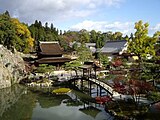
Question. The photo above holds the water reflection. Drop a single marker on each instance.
(63, 112)
(16, 103)
(19, 103)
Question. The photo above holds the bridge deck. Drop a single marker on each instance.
(98, 82)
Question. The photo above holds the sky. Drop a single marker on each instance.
(100, 15)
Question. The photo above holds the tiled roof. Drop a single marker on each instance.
(50, 48)
(113, 46)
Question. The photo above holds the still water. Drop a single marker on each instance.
(21, 103)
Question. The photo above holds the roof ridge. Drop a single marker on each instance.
(41, 42)
(116, 40)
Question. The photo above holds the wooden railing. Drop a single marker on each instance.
(98, 82)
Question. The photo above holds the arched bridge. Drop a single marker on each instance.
(105, 86)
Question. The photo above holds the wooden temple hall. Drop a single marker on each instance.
(51, 53)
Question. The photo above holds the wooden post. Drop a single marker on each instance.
(83, 72)
(90, 88)
(82, 84)
(100, 91)
(97, 91)
(74, 83)
(95, 71)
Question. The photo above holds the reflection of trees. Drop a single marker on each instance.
(16, 103)
(71, 102)
(90, 110)
(9, 96)
(47, 101)
(83, 97)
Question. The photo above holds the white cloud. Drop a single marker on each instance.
(69, 10)
(47, 10)
(125, 28)
(113, 2)
(92, 5)
(154, 29)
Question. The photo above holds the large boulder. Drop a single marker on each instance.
(12, 67)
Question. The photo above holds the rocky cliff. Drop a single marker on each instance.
(12, 67)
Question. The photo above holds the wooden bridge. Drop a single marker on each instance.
(91, 81)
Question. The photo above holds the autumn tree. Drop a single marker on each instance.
(131, 87)
(136, 88)
(14, 34)
(141, 44)
(24, 41)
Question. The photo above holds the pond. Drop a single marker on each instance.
(21, 103)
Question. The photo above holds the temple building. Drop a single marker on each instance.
(51, 53)
(114, 48)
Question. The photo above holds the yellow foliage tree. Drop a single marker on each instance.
(24, 41)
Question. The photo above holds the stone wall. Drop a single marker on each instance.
(12, 67)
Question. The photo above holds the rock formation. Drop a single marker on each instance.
(12, 67)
